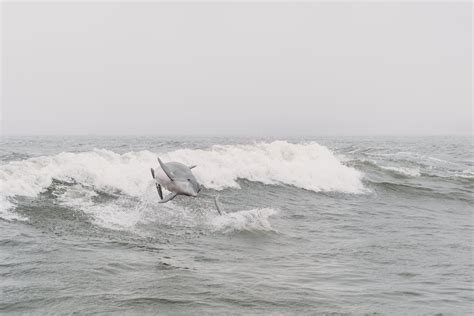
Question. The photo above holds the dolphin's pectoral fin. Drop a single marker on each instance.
(193, 166)
(158, 186)
(166, 169)
(169, 197)
(160, 193)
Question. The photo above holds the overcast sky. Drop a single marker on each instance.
(343, 68)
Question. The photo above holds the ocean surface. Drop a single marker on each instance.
(323, 225)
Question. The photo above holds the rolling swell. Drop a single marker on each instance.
(409, 177)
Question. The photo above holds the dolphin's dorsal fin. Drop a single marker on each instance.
(193, 166)
(166, 169)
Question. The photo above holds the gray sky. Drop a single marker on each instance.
(342, 68)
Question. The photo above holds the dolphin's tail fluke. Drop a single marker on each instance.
(158, 186)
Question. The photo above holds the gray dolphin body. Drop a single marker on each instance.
(176, 178)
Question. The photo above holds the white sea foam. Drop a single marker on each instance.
(5, 212)
(126, 213)
(248, 220)
(309, 166)
(121, 213)
(101, 168)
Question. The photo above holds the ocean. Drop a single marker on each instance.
(315, 225)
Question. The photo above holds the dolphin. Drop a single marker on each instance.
(179, 180)
(176, 178)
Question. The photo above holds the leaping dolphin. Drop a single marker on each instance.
(178, 179)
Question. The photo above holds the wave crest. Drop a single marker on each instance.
(404, 171)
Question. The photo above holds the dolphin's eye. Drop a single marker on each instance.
(189, 179)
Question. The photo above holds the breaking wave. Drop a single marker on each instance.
(309, 166)
(111, 188)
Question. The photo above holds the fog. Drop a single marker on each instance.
(256, 69)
